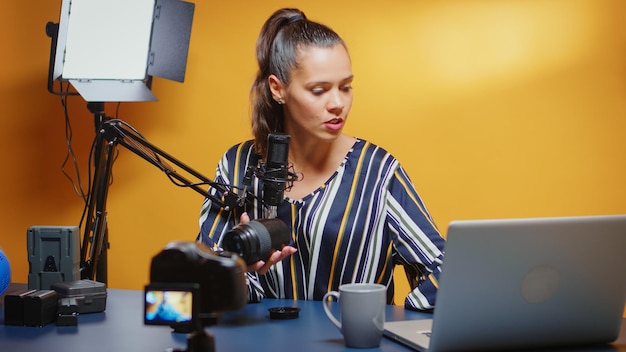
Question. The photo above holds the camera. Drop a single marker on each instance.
(255, 240)
(219, 277)
(215, 280)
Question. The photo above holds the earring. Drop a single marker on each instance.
(280, 101)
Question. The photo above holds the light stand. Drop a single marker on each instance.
(93, 255)
(109, 50)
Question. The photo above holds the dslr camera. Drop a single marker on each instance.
(215, 280)
(191, 284)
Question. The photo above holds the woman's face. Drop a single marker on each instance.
(319, 96)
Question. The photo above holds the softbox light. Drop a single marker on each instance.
(108, 49)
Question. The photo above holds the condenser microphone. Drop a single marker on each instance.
(275, 175)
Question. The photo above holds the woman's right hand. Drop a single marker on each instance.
(263, 267)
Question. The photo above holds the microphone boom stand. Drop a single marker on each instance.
(109, 134)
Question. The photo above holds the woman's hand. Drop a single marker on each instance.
(262, 266)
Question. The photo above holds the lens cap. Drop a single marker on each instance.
(282, 313)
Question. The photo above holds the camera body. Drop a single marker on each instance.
(219, 277)
(211, 281)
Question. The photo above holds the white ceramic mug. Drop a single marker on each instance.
(362, 310)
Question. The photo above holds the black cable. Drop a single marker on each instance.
(89, 177)
(77, 185)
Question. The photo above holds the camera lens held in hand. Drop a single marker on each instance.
(255, 240)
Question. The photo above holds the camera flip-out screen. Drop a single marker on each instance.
(171, 304)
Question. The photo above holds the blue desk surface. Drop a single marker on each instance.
(121, 328)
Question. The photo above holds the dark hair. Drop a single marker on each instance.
(284, 33)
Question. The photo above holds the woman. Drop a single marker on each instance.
(354, 214)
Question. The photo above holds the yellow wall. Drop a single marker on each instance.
(503, 108)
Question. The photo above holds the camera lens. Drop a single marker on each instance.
(255, 240)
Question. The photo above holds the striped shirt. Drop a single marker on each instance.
(356, 227)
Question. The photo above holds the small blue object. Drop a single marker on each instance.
(5, 272)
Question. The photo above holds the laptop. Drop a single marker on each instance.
(525, 283)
